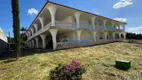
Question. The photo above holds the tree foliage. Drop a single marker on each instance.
(134, 36)
(16, 27)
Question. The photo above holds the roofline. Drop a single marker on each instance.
(73, 9)
(86, 12)
(39, 13)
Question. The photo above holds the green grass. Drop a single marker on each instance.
(98, 60)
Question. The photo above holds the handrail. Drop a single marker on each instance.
(67, 25)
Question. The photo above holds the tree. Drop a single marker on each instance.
(134, 36)
(23, 30)
(16, 27)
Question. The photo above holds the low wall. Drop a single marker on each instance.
(3, 46)
(72, 44)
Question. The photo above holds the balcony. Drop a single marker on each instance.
(86, 26)
(99, 28)
(65, 25)
(45, 28)
(83, 26)
(73, 26)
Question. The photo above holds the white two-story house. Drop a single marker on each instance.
(57, 23)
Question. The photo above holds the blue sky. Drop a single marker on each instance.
(124, 10)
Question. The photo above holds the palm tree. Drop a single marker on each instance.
(16, 27)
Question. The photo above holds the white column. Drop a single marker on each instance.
(35, 26)
(32, 44)
(93, 21)
(123, 27)
(36, 42)
(105, 34)
(120, 35)
(113, 36)
(94, 36)
(77, 17)
(78, 33)
(52, 10)
(32, 31)
(54, 34)
(41, 19)
(124, 34)
(113, 26)
(104, 21)
(29, 33)
(43, 36)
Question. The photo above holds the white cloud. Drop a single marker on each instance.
(135, 29)
(122, 3)
(32, 11)
(121, 19)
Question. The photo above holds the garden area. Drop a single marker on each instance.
(96, 63)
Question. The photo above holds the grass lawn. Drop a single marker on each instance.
(98, 60)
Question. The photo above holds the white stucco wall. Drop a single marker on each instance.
(70, 36)
(69, 19)
(100, 36)
(2, 36)
(86, 36)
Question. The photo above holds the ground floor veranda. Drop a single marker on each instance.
(64, 38)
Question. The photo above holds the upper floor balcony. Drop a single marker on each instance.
(73, 26)
(65, 25)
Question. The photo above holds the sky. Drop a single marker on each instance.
(129, 11)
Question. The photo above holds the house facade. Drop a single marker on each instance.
(3, 42)
(58, 26)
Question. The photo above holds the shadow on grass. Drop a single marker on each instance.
(9, 61)
(28, 52)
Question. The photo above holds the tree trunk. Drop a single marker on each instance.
(16, 27)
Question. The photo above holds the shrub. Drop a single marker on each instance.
(132, 41)
(72, 71)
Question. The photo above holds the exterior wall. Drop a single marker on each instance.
(86, 36)
(46, 21)
(85, 23)
(3, 42)
(84, 20)
(3, 46)
(69, 20)
(100, 36)
(69, 36)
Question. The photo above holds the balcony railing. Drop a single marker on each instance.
(86, 26)
(66, 25)
(99, 28)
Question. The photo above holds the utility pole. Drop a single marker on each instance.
(9, 41)
(9, 38)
